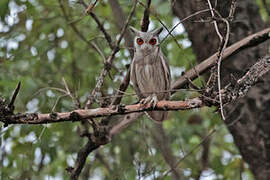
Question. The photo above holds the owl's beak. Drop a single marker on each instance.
(146, 50)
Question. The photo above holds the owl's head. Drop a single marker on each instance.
(146, 42)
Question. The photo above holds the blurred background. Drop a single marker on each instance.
(39, 47)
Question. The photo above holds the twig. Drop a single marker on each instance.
(220, 55)
(124, 84)
(223, 47)
(250, 78)
(183, 20)
(109, 61)
(77, 32)
(161, 22)
(145, 20)
(102, 29)
(57, 101)
(122, 88)
(75, 100)
(13, 98)
(120, 19)
(215, 22)
(99, 24)
(190, 152)
(90, 7)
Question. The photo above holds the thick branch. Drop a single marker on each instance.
(82, 155)
(248, 80)
(249, 41)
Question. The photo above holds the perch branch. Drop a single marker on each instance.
(80, 114)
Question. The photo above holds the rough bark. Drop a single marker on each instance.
(251, 115)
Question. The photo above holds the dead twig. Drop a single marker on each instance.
(13, 98)
(215, 22)
(220, 55)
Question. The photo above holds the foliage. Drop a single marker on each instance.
(39, 48)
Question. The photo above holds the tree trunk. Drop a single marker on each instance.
(248, 119)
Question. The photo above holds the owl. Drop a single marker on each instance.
(150, 72)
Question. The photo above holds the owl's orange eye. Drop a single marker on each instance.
(139, 41)
(153, 41)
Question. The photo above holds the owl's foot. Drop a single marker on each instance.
(151, 100)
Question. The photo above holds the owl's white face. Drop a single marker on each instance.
(146, 43)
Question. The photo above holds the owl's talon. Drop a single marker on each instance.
(154, 101)
(146, 100)
(151, 100)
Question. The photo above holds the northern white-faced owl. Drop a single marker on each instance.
(150, 72)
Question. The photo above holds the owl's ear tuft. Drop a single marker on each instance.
(156, 32)
(134, 30)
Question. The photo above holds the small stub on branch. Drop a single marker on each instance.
(196, 102)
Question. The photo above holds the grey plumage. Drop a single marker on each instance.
(150, 71)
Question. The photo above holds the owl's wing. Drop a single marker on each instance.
(166, 69)
(133, 78)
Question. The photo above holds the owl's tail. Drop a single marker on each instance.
(157, 116)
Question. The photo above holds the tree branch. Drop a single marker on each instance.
(250, 41)
(82, 155)
(145, 19)
(80, 114)
(229, 94)
(88, 10)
